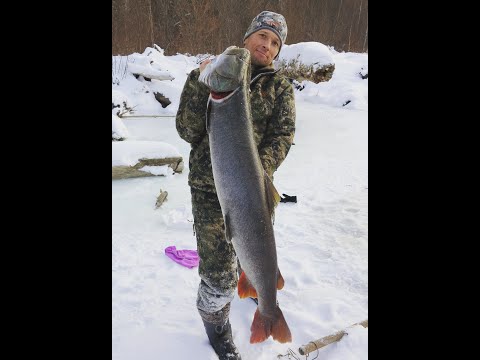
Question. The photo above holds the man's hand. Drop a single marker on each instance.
(204, 63)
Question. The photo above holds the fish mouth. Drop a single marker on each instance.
(235, 64)
(227, 71)
(242, 53)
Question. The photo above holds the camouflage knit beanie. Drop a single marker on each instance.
(271, 21)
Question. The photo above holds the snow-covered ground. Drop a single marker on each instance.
(322, 240)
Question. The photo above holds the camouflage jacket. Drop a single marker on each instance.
(273, 114)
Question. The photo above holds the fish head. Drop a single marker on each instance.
(227, 71)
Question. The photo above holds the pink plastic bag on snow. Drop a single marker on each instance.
(187, 258)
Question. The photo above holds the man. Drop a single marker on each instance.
(273, 115)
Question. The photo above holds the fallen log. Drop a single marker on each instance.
(149, 72)
(144, 158)
(125, 171)
(317, 344)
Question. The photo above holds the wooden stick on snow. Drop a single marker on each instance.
(317, 344)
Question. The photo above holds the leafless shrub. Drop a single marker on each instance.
(295, 69)
(119, 69)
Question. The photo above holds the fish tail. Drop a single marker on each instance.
(280, 330)
(262, 327)
(245, 287)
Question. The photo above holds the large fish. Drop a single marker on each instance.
(246, 194)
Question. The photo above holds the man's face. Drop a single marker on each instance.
(263, 45)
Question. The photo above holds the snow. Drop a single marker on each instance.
(322, 240)
(128, 153)
(308, 53)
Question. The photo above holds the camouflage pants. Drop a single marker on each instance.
(218, 261)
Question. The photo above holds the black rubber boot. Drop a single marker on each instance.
(221, 340)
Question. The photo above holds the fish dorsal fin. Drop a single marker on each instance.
(272, 195)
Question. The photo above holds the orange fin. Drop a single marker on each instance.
(262, 327)
(280, 330)
(280, 280)
(245, 287)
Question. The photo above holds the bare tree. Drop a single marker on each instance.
(209, 26)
